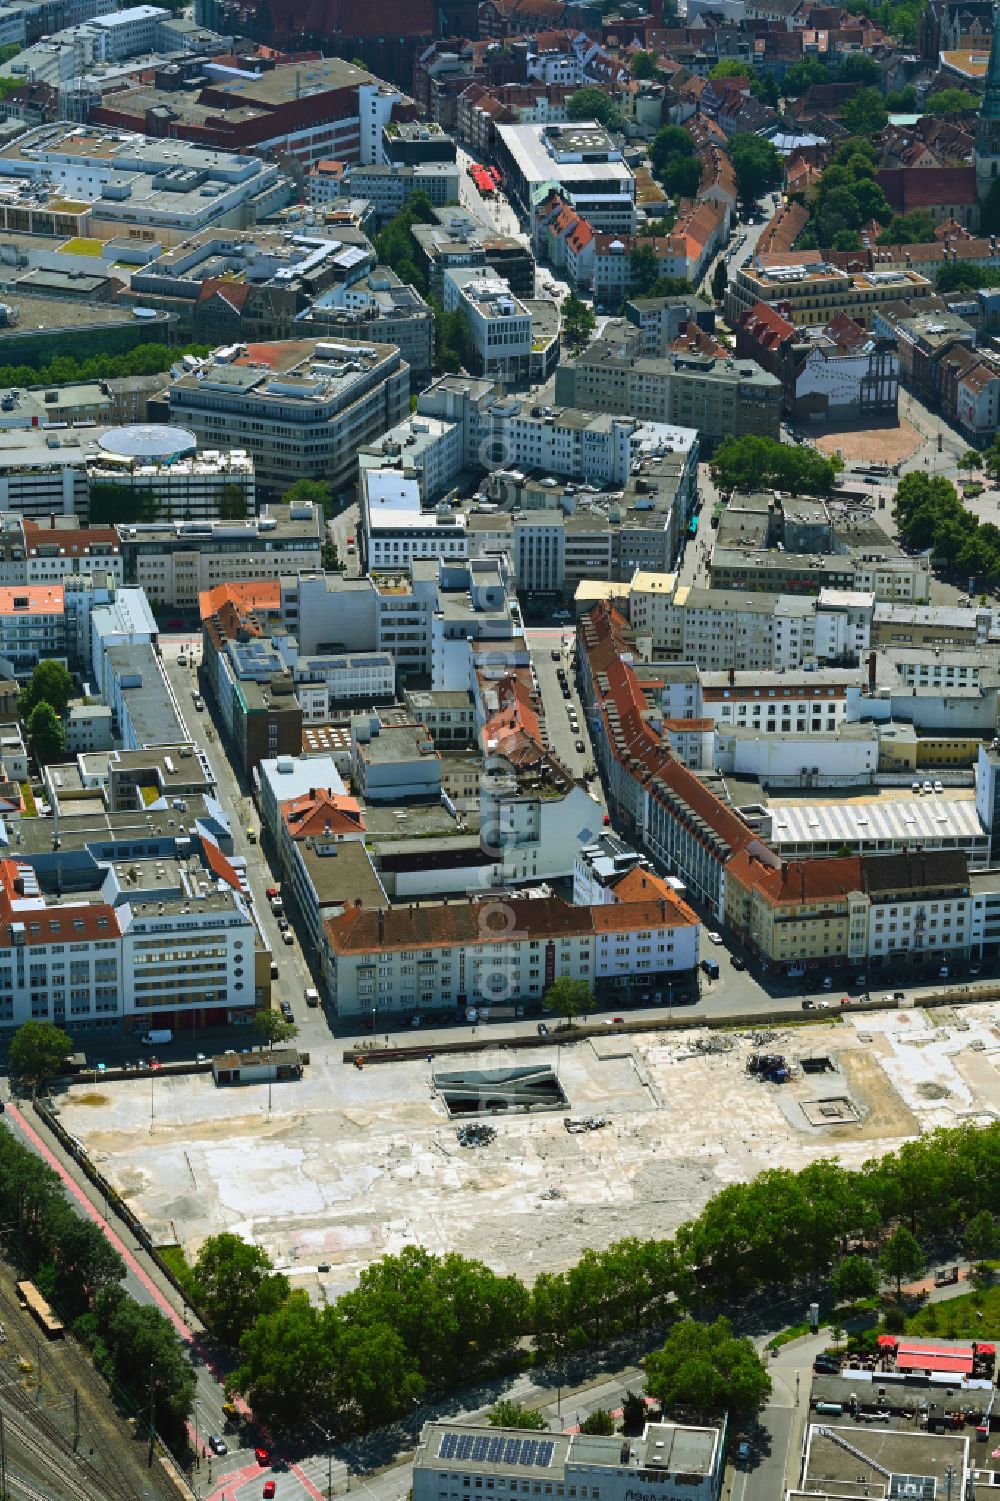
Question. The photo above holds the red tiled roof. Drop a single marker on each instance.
(322, 812)
(65, 922)
(908, 188)
(793, 882)
(71, 541)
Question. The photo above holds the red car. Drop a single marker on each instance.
(268, 1489)
(272, 891)
(262, 1456)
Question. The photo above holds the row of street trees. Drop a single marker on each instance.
(73, 1266)
(366, 1358)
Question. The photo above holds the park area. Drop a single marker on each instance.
(332, 1172)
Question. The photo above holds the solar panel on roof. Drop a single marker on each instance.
(464, 1446)
(447, 1449)
(512, 1450)
(545, 1451)
(496, 1450)
(479, 1447)
(529, 1447)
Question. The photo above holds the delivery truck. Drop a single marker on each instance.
(157, 1037)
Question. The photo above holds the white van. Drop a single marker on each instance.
(312, 996)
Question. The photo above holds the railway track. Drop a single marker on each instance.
(39, 1436)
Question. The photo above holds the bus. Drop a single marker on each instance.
(30, 1298)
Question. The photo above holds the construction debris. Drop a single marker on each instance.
(476, 1135)
(589, 1123)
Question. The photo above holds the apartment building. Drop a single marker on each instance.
(491, 952)
(34, 552)
(175, 562)
(165, 943)
(32, 625)
(717, 396)
(798, 914)
(301, 407)
(388, 188)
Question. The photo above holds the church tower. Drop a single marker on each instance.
(987, 154)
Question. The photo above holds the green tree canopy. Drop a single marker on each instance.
(900, 1257)
(951, 102)
(507, 1414)
(669, 141)
(901, 101)
(234, 1284)
(959, 276)
(599, 1422)
(802, 75)
(38, 1051)
(46, 733)
(643, 65)
(752, 463)
(569, 998)
(50, 683)
(865, 114)
(756, 163)
(578, 322)
(592, 103)
(704, 1369)
(854, 1278)
(982, 1239)
(634, 1413)
(859, 67)
(130, 1342)
(914, 228)
(271, 1027)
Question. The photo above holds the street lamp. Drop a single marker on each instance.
(329, 1457)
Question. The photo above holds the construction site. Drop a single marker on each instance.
(607, 1136)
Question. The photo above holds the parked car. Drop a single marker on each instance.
(286, 1011)
(217, 1445)
(542, 1030)
(287, 937)
(269, 1490)
(712, 936)
(579, 747)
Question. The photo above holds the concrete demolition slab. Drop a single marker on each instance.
(354, 1163)
(836, 1111)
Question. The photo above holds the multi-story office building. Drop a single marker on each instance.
(171, 188)
(578, 159)
(499, 326)
(812, 292)
(175, 562)
(717, 396)
(150, 464)
(668, 1459)
(302, 409)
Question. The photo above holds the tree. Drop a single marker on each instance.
(330, 558)
(128, 1343)
(316, 491)
(859, 67)
(643, 65)
(982, 1240)
(634, 1413)
(600, 1422)
(680, 176)
(720, 280)
(578, 322)
(643, 269)
(865, 114)
(271, 1027)
(751, 463)
(705, 1369)
(569, 998)
(900, 1257)
(287, 1365)
(669, 141)
(802, 75)
(854, 1278)
(914, 228)
(38, 1051)
(50, 683)
(951, 102)
(756, 163)
(234, 1284)
(592, 103)
(506, 1414)
(46, 733)
(232, 503)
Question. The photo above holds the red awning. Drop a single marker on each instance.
(934, 1360)
(887, 1341)
(986, 1349)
